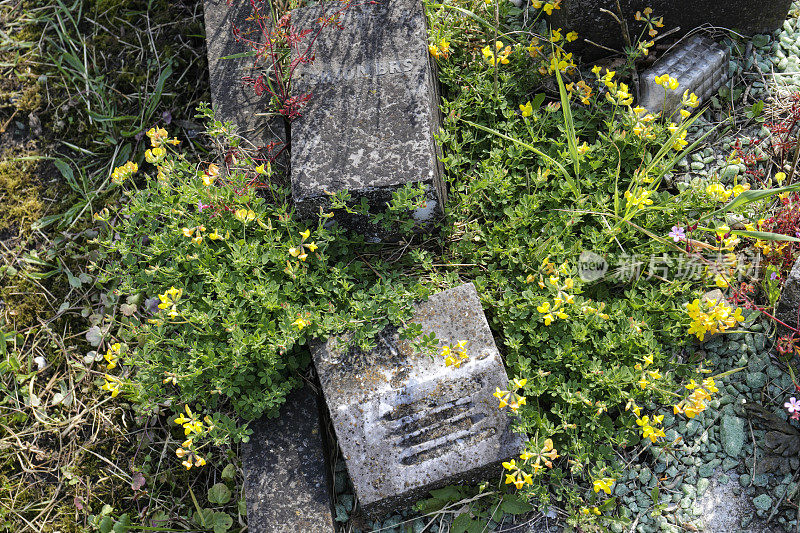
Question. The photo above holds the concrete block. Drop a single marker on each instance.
(406, 424)
(700, 66)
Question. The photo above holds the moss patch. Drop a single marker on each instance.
(20, 193)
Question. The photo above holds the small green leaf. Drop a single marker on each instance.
(513, 504)
(219, 494)
(106, 524)
(221, 522)
(449, 494)
(463, 523)
(123, 524)
(229, 472)
(203, 518)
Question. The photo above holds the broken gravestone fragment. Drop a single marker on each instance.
(369, 123)
(405, 422)
(233, 100)
(699, 64)
(285, 474)
(593, 21)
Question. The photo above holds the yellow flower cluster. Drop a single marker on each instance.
(617, 93)
(718, 193)
(192, 428)
(169, 300)
(690, 100)
(605, 484)
(588, 310)
(710, 317)
(770, 248)
(299, 251)
(501, 55)
(244, 215)
(556, 59)
(592, 511)
(113, 384)
(526, 110)
(112, 355)
(638, 200)
(159, 136)
(652, 428)
(540, 458)
(667, 81)
(680, 141)
(560, 302)
(155, 155)
(652, 23)
(440, 49)
(695, 403)
(455, 354)
(511, 398)
(547, 7)
(195, 233)
(581, 90)
(652, 374)
(300, 323)
(124, 172)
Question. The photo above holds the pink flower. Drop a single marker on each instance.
(793, 406)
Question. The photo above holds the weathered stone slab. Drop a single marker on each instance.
(699, 64)
(407, 424)
(369, 124)
(586, 18)
(788, 308)
(232, 99)
(285, 472)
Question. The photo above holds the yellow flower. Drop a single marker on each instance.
(124, 172)
(690, 100)
(779, 177)
(311, 246)
(305, 234)
(113, 385)
(572, 36)
(300, 323)
(244, 215)
(501, 395)
(157, 136)
(112, 355)
(215, 236)
(294, 252)
(548, 7)
(526, 109)
(544, 308)
(603, 484)
(673, 84)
